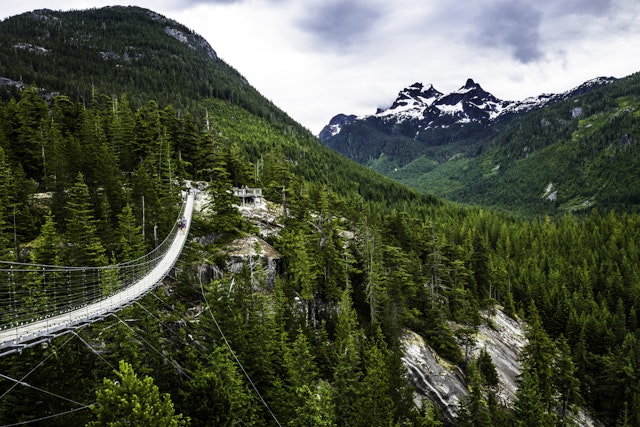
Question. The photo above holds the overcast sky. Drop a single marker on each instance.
(318, 58)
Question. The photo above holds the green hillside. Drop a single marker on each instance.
(589, 159)
(92, 158)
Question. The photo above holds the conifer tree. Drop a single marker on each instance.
(347, 373)
(225, 217)
(317, 408)
(7, 252)
(133, 401)
(472, 409)
(565, 381)
(428, 416)
(217, 395)
(27, 143)
(48, 246)
(376, 406)
(529, 406)
(84, 247)
(122, 134)
(486, 369)
(537, 357)
(129, 234)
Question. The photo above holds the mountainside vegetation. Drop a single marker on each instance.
(573, 155)
(90, 167)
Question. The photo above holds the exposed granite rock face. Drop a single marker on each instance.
(503, 337)
(253, 252)
(434, 378)
(444, 383)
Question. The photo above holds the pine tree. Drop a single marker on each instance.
(428, 416)
(130, 241)
(84, 247)
(347, 373)
(27, 145)
(47, 247)
(472, 408)
(376, 407)
(486, 369)
(122, 134)
(529, 406)
(132, 401)
(7, 251)
(312, 402)
(217, 395)
(317, 408)
(537, 357)
(225, 217)
(565, 381)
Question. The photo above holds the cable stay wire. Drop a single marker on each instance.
(25, 384)
(93, 350)
(43, 300)
(48, 417)
(22, 380)
(246, 374)
(172, 362)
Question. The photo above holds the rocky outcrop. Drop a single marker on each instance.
(257, 255)
(434, 378)
(444, 383)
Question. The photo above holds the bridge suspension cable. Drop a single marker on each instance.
(38, 302)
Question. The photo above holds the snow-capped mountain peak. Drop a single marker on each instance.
(418, 107)
(411, 102)
(335, 125)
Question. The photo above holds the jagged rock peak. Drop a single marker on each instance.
(417, 92)
(411, 101)
(335, 125)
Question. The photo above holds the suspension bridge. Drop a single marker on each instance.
(40, 302)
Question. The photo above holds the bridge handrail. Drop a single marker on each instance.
(31, 293)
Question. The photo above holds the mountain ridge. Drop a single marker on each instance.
(472, 148)
(428, 108)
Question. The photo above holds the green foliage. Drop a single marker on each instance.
(84, 246)
(217, 395)
(129, 236)
(544, 161)
(133, 401)
(363, 258)
(529, 407)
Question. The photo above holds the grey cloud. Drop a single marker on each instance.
(339, 23)
(578, 7)
(183, 4)
(514, 25)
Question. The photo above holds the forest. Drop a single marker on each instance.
(585, 145)
(98, 136)
(321, 345)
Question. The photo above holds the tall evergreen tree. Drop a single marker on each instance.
(84, 247)
(7, 251)
(347, 373)
(217, 396)
(47, 247)
(565, 381)
(129, 234)
(529, 406)
(537, 357)
(376, 406)
(133, 401)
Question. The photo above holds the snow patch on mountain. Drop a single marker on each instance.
(335, 125)
(427, 108)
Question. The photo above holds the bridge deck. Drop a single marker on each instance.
(21, 335)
